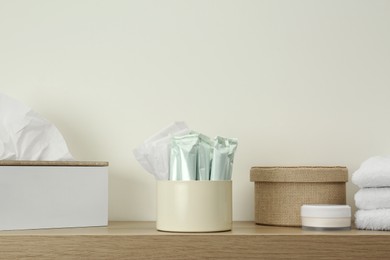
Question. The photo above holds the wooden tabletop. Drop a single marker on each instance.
(140, 240)
(147, 228)
(53, 163)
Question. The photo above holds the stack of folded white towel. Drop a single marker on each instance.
(373, 199)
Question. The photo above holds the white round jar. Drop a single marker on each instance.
(325, 217)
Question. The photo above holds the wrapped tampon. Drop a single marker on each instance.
(223, 155)
(205, 155)
(176, 153)
(183, 161)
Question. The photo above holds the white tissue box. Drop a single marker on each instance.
(53, 194)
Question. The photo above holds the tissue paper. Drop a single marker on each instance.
(26, 135)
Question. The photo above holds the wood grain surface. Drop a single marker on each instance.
(140, 240)
(53, 163)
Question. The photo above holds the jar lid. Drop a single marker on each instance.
(325, 211)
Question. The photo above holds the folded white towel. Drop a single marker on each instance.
(374, 172)
(373, 198)
(375, 219)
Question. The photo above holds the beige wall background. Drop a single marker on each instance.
(298, 82)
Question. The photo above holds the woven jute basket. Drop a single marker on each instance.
(281, 191)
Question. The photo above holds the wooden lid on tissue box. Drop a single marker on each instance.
(53, 163)
(299, 174)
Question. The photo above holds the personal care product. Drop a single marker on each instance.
(326, 217)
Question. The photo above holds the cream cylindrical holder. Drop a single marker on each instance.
(194, 206)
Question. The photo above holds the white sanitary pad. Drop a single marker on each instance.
(153, 154)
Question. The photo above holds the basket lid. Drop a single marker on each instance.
(299, 174)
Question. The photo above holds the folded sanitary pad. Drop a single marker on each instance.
(153, 154)
(376, 219)
(374, 172)
(373, 198)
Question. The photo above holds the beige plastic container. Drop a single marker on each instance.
(194, 206)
